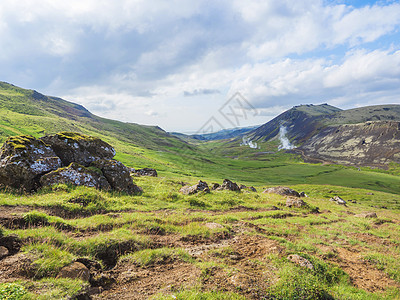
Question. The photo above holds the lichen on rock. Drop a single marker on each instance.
(75, 174)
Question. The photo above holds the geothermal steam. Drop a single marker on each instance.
(285, 143)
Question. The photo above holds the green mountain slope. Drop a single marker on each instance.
(28, 112)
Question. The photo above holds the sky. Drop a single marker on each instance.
(180, 64)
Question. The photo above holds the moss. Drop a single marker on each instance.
(20, 141)
(75, 136)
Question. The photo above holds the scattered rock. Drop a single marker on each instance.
(23, 159)
(201, 186)
(147, 172)
(12, 242)
(303, 194)
(79, 148)
(213, 225)
(3, 252)
(301, 261)
(295, 202)
(75, 174)
(369, 193)
(229, 185)
(242, 186)
(75, 270)
(282, 190)
(338, 200)
(117, 175)
(215, 186)
(368, 215)
(253, 189)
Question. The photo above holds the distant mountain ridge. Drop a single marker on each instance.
(219, 135)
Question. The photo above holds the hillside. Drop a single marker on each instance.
(29, 112)
(302, 122)
(77, 242)
(322, 133)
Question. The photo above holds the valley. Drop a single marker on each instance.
(222, 244)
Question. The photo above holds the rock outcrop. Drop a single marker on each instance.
(201, 186)
(118, 176)
(79, 148)
(283, 191)
(75, 174)
(23, 159)
(27, 163)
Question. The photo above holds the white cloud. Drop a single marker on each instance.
(133, 60)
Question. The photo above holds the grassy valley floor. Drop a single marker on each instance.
(221, 245)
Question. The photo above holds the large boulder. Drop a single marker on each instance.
(23, 159)
(283, 191)
(229, 185)
(201, 186)
(75, 174)
(118, 176)
(79, 148)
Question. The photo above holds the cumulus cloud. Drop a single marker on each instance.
(164, 62)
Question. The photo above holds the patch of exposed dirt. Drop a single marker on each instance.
(133, 282)
(363, 274)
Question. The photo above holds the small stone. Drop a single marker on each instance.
(201, 186)
(338, 200)
(302, 194)
(301, 261)
(213, 225)
(283, 191)
(75, 270)
(368, 215)
(3, 252)
(295, 202)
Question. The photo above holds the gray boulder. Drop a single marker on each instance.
(75, 174)
(229, 185)
(338, 200)
(23, 159)
(146, 172)
(78, 148)
(117, 175)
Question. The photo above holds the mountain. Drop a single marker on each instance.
(360, 136)
(301, 121)
(25, 111)
(219, 135)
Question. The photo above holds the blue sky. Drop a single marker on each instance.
(175, 63)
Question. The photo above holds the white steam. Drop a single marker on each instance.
(285, 143)
(247, 142)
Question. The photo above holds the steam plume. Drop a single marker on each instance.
(285, 143)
